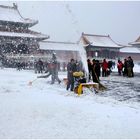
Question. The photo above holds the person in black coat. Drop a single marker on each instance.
(130, 67)
(71, 68)
(96, 71)
(40, 66)
(89, 68)
(125, 71)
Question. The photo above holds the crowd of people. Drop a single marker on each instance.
(51, 69)
(126, 68)
(96, 69)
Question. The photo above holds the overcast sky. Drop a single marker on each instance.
(65, 21)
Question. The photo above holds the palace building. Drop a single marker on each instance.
(132, 50)
(96, 46)
(16, 39)
(101, 46)
(64, 50)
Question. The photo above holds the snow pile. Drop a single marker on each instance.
(49, 111)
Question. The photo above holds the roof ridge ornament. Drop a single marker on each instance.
(15, 6)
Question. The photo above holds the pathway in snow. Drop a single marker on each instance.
(122, 88)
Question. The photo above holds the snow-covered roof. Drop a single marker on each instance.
(23, 35)
(99, 40)
(130, 50)
(12, 14)
(137, 42)
(51, 45)
(138, 39)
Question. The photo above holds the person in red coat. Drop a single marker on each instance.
(104, 68)
(120, 67)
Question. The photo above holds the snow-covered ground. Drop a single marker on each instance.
(42, 110)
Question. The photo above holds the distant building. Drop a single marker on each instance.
(95, 46)
(100, 46)
(132, 51)
(15, 36)
(64, 50)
